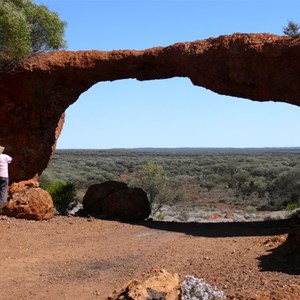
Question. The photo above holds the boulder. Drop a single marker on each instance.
(92, 200)
(113, 199)
(158, 284)
(128, 204)
(30, 203)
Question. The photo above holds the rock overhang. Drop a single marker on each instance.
(35, 95)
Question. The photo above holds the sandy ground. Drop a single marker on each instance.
(85, 258)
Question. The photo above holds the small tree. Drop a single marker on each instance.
(27, 28)
(292, 29)
(154, 181)
(286, 188)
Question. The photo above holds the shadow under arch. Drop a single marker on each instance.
(215, 230)
(230, 229)
(286, 257)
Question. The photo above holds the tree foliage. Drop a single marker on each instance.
(26, 27)
(287, 187)
(292, 29)
(152, 178)
(262, 178)
(62, 193)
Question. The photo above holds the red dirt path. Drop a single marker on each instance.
(79, 258)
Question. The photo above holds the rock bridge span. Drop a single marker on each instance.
(35, 94)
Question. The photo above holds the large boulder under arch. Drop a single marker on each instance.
(115, 200)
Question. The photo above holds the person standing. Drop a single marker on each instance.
(4, 180)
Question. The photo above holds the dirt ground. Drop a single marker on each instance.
(86, 258)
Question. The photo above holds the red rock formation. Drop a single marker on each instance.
(29, 202)
(36, 93)
(158, 284)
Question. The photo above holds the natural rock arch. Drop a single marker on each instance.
(36, 93)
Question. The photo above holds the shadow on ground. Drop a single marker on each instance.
(284, 258)
(234, 229)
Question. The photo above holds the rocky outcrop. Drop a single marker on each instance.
(35, 94)
(115, 200)
(158, 284)
(29, 202)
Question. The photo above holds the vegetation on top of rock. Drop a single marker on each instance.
(292, 29)
(27, 28)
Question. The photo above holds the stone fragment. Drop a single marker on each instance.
(214, 216)
(229, 215)
(158, 284)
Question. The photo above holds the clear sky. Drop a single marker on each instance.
(171, 112)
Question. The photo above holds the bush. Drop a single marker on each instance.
(152, 178)
(62, 193)
(291, 206)
(160, 216)
(285, 188)
(250, 209)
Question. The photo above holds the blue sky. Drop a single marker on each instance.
(171, 112)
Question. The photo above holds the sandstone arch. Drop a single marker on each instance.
(36, 93)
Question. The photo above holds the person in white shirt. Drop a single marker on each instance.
(4, 179)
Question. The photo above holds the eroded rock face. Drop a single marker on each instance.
(29, 202)
(36, 93)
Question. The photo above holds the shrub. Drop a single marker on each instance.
(292, 29)
(292, 205)
(62, 193)
(286, 188)
(152, 178)
(160, 216)
(250, 209)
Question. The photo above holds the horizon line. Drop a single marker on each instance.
(141, 148)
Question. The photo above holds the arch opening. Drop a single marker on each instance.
(172, 113)
(176, 115)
